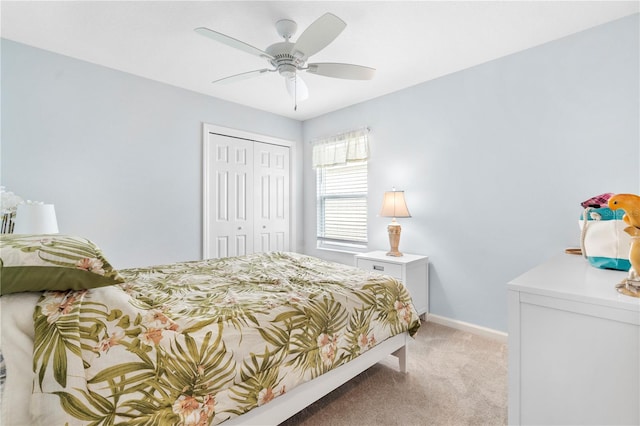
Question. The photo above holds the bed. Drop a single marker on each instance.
(242, 340)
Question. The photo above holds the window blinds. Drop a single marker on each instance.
(342, 204)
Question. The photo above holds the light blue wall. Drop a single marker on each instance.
(120, 156)
(495, 161)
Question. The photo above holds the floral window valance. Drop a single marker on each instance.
(341, 149)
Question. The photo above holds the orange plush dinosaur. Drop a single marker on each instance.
(631, 205)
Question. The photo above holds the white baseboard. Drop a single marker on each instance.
(471, 328)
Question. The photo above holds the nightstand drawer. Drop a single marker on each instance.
(381, 267)
(412, 270)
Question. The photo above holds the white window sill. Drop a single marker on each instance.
(341, 249)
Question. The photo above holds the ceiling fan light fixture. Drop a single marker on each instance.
(297, 88)
(287, 71)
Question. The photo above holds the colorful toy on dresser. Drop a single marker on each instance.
(631, 205)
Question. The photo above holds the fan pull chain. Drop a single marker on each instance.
(295, 92)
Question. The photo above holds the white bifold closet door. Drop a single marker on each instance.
(248, 200)
(271, 197)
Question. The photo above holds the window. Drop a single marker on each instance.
(342, 205)
(341, 173)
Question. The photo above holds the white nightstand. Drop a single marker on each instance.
(411, 269)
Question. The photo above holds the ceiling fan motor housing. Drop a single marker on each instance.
(285, 61)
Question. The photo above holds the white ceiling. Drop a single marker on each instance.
(407, 42)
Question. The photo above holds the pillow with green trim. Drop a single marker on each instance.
(52, 262)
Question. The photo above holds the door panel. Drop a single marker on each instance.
(271, 197)
(222, 247)
(231, 226)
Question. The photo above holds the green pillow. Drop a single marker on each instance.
(52, 262)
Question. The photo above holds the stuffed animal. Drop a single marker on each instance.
(631, 205)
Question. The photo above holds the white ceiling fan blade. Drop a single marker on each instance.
(242, 76)
(297, 88)
(319, 35)
(348, 71)
(232, 42)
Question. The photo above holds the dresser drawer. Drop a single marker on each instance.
(382, 267)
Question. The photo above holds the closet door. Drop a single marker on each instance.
(229, 213)
(271, 197)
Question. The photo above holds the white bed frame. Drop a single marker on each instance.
(285, 406)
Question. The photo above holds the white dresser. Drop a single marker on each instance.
(411, 269)
(574, 346)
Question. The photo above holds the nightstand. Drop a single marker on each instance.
(410, 269)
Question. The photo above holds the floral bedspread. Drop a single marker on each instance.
(197, 343)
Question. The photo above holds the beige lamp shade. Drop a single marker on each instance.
(394, 205)
(35, 219)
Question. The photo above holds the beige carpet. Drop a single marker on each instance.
(454, 378)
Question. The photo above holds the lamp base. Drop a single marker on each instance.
(394, 229)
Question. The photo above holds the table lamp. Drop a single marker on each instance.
(35, 219)
(394, 205)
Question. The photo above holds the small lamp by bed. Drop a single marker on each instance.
(32, 218)
(394, 205)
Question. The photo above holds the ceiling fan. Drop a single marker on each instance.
(288, 58)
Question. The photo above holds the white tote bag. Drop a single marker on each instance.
(603, 240)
